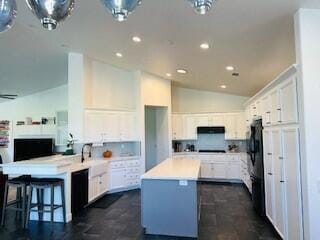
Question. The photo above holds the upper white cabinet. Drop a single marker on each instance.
(278, 106)
(288, 101)
(184, 126)
(177, 127)
(103, 126)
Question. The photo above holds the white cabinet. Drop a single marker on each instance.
(98, 185)
(266, 110)
(275, 107)
(190, 126)
(177, 127)
(269, 178)
(104, 126)
(233, 171)
(230, 125)
(283, 186)
(235, 126)
(128, 126)
(291, 162)
(118, 178)
(220, 170)
(203, 120)
(124, 174)
(207, 170)
(288, 101)
(217, 120)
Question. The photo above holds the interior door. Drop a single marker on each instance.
(269, 175)
(278, 181)
(291, 158)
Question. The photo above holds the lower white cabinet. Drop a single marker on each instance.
(118, 178)
(207, 170)
(283, 187)
(124, 174)
(98, 185)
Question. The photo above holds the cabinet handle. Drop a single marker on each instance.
(282, 181)
(281, 158)
(269, 154)
(270, 174)
(278, 109)
(279, 121)
(268, 112)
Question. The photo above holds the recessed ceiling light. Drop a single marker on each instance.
(168, 74)
(205, 46)
(136, 39)
(119, 55)
(182, 71)
(223, 86)
(229, 68)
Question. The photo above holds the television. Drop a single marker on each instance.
(26, 149)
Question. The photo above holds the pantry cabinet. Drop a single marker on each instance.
(104, 126)
(282, 185)
(288, 101)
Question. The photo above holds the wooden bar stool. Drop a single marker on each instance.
(40, 185)
(19, 205)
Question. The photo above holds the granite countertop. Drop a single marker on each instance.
(173, 169)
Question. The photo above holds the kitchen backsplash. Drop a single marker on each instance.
(118, 149)
(214, 141)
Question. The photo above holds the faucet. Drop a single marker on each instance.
(82, 151)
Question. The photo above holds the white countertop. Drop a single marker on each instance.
(175, 169)
(204, 153)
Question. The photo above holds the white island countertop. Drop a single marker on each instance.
(175, 169)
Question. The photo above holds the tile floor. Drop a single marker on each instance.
(227, 214)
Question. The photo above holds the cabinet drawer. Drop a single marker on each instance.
(232, 158)
(120, 164)
(133, 170)
(133, 163)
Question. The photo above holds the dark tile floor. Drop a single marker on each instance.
(226, 215)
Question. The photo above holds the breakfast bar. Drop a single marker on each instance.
(170, 198)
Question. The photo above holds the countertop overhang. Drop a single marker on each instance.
(175, 169)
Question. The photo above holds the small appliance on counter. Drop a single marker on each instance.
(233, 148)
(177, 146)
(189, 148)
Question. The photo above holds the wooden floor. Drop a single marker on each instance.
(226, 214)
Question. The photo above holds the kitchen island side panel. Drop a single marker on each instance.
(170, 207)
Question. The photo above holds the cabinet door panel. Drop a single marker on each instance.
(190, 127)
(269, 176)
(118, 178)
(278, 182)
(275, 107)
(128, 127)
(266, 111)
(288, 97)
(217, 120)
(220, 170)
(206, 170)
(240, 126)
(94, 127)
(177, 126)
(104, 183)
(234, 171)
(93, 188)
(230, 125)
(203, 121)
(292, 183)
(111, 127)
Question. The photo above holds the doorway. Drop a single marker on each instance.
(156, 135)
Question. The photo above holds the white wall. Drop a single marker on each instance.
(42, 104)
(97, 85)
(153, 91)
(307, 22)
(192, 101)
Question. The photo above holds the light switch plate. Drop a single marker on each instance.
(183, 183)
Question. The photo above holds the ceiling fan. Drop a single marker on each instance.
(8, 96)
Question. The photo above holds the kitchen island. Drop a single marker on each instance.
(170, 198)
(57, 166)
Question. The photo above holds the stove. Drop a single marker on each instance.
(211, 151)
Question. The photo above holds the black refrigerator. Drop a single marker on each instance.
(255, 151)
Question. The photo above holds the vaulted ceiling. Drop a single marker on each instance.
(256, 37)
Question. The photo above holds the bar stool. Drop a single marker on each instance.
(20, 184)
(40, 185)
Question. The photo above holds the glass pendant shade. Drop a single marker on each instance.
(51, 12)
(8, 14)
(202, 6)
(120, 9)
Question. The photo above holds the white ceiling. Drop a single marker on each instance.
(257, 37)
